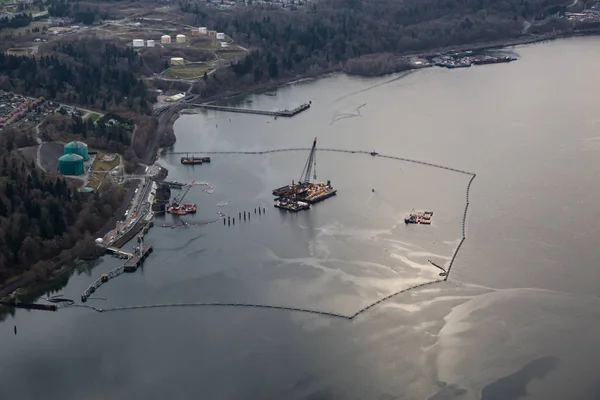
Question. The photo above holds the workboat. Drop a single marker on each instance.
(189, 208)
(187, 160)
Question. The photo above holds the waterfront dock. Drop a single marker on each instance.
(280, 113)
(141, 224)
(133, 263)
(30, 306)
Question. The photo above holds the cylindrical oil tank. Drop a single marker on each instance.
(220, 35)
(150, 43)
(165, 39)
(70, 164)
(138, 42)
(180, 38)
(176, 61)
(78, 148)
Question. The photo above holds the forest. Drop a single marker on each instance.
(42, 215)
(326, 35)
(98, 134)
(89, 72)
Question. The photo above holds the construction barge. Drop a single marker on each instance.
(291, 205)
(419, 217)
(179, 208)
(299, 196)
(187, 160)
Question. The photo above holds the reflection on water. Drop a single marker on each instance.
(531, 225)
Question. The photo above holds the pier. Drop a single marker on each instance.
(131, 265)
(280, 113)
(30, 306)
(118, 252)
(134, 230)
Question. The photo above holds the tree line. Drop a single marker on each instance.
(325, 35)
(42, 215)
(89, 73)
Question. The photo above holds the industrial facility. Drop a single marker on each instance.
(138, 42)
(150, 43)
(199, 31)
(220, 35)
(78, 148)
(180, 38)
(165, 39)
(70, 164)
(212, 34)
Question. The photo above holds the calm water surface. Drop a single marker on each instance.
(517, 319)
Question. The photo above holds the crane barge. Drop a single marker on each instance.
(177, 208)
(298, 196)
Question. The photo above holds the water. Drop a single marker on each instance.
(518, 317)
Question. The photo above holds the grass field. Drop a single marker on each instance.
(95, 181)
(93, 116)
(104, 165)
(189, 71)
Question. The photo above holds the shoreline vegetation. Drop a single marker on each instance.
(147, 149)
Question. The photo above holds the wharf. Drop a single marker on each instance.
(134, 230)
(30, 306)
(132, 264)
(280, 113)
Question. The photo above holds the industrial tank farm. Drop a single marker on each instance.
(78, 148)
(70, 164)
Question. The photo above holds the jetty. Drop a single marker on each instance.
(30, 306)
(133, 262)
(280, 113)
(141, 224)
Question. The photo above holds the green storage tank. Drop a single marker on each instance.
(78, 148)
(70, 164)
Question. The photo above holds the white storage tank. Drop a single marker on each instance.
(203, 30)
(165, 39)
(180, 38)
(138, 42)
(220, 35)
(150, 43)
(176, 61)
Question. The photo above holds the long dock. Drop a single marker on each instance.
(280, 113)
(134, 230)
(118, 252)
(131, 265)
(30, 306)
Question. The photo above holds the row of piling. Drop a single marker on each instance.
(245, 215)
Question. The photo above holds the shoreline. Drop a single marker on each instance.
(165, 122)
